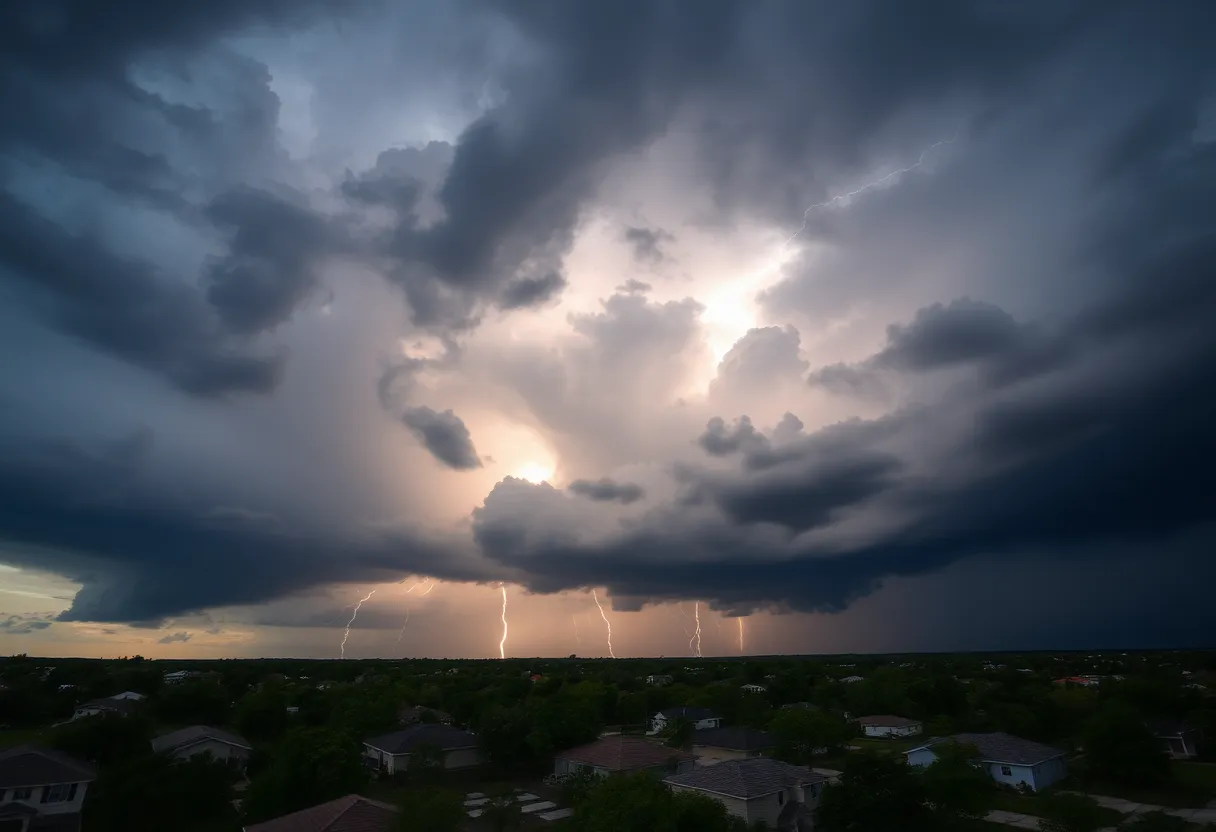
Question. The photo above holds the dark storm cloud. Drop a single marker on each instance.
(647, 243)
(940, 336)
(444, 435)
(531, 291)
(607, 489)
(175, 638)
(24, 624)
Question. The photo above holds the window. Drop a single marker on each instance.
(59, 793)
(1006, 771)
(23, 794)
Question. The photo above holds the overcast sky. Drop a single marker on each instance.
(801, 326)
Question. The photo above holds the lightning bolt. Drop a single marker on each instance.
(502, 644)
(577, 637)
(607, 623)
(353, 615)
(414, 586)
(694, 643)
(740, 619)
(924, 154)
(403, 623)
(429, 587)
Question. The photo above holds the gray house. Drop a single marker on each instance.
(41, 789)
(1007, 759)
(390, 753)
(757, 789)
(621, 754)
(203, 739)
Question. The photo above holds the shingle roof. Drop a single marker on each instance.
(688, 712)
(736, 739)
(195, 733)
(888, 721)
(621, 753)
(28, 765)
(352, 813)
(444, 736)
(1001, 748)
(109, 703)
(753, 777)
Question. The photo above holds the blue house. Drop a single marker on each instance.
(1008, 759)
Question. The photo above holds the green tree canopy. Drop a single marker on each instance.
(310, 766)
(430, 810)
(876, 793)
(1119, 748)
(154, 793)
(1070, 812)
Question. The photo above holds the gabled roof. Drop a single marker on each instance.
(746, 779)
(183, 737)
(109, 703)
(688, 712)
(352, 813)
(621, 753)
(888, 721)
(29, 765)
(444, 736)
(1001, 748)
(736, 739)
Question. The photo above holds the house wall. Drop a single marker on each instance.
(1036, 777)
(921, 757)
(1049, 772)
(462, 758)
(891, 730)
(400, 763)
(659, 722)
(218, 750)
(62, 807)
(81, 713)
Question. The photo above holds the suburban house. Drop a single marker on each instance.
(1177, 739)
(852, 679)
(352, 813)
(390, 753)
(41, 789)
(699, 717)
(659, 679)
(623, 754)
(181, 676)
(120, 704)
(781, 795)
(713, 745)
(203, 739)
(1008, 759)
(886, 725)
(753, 688)
(413, 714)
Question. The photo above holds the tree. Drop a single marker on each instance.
(154, 792)
(802, 733)
(641, 803)
(430, 810)
(426, 760)
(104, 739)
(1156, 822)
(876, 793)
(311, 766)
(1070, 812)
(678, 734)
(262, 715)
(1119, 748)
(503, 811)
(957, 790)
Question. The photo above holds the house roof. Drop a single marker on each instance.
(401, 742)
(688, 712)
(29, 765)
(352, 813)
(736, 739)
(1167, 727)
(888, 721)
(109, 703)
(1001, 748)
(621, 753)
(746, 779)
(193, 734)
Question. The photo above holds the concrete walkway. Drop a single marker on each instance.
(1130, 807)
(1020, 821)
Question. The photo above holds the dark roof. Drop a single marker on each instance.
(28, 765)
(352, 813)
(687, 712)
(1001, 748)
(195, 733)
(888, 721)
(119, 706)
(620, 753)
(736, 739)
(753, 777)
(444, 736)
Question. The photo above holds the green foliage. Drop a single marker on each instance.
(310, 766)
(957, 790)
(426, 761)
(578, 787)
(154, 793)
(193, 703)
(503, 812)
(876, 793)
(528, 734)
(678, 734)
(641, 803)
(1120, 749)
(262, 715)
(800, 733)
(1070, 812)
(430, 810)
(105, 739)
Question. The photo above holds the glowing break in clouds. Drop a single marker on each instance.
(502, 644)
(353, 615)
(607, 623)
(694, 643)
(869, 185)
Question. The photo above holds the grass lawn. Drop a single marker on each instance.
(1192, 786)
(1031, 805)
(10, 737)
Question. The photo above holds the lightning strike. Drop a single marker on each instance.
(401, 632)
(353, 615)
(694, 643)
(607, 623)
(740, 619)
(430, 586)
(868, 186)
(577, 637)
(502, 644)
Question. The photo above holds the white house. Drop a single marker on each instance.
(203, 739)
(619, 754)
(390, 753)
(753, 688)
(781, 795)
(849, 680)
(701, 718)
(714, 745)
(40, 788)
(180, 676)
(659, 679)
(122, 704)
(886, 725)
(1007, 759)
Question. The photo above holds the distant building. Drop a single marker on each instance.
(659, 680)
(120, 705)
(848, 680)
(1007, 759)
(758, 790)
(714, 745)
(616, 754)
(181, 676)
(199, 740)
(886, 725)
(700, 718)
(753, 688)
(390, 753)
(42, 789)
